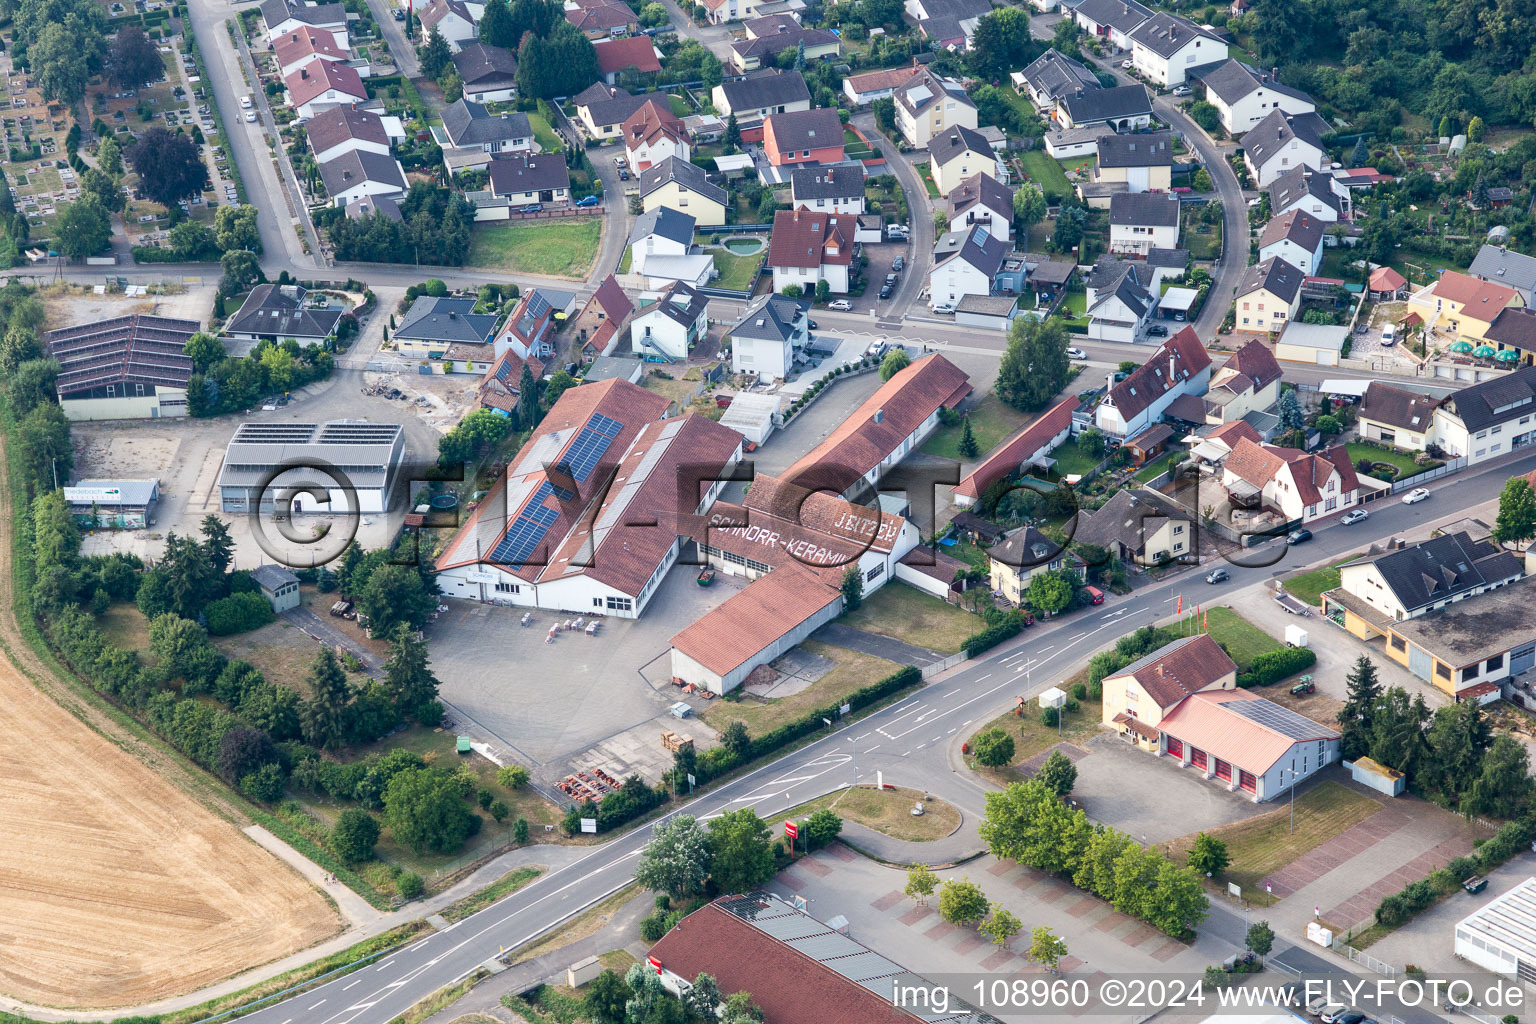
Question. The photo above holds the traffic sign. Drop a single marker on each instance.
(791, 830)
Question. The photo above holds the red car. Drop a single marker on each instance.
(1029, 618)
(1095, 595)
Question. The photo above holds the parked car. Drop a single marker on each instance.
(1217, 576)
(885, 290)
(1415, 496)
(1315, 1005)
(1157, 331)
(1337, 1014)
(245, 103)
(898, 264)
(897, 232)
(1331, 1010)
(250, 118)
(1475, 885)
(1389, 335)
(941, 309)
(890, 279)
(1095, 595)
(399, 14)
(1073, 352)
(840, 304)
(623, 174)
(589, 200)
(1182, 90)
(1127, 64)
(811, 325)
(1353, 516)
(1299, 536)
(619, 161)
(532, 208)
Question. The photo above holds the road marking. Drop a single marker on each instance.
(1047, 650)
(318, 1005)
(872, 749)
(359, 981)
(920, 746)
(952, 731)
(1079, 636)
(984, 678)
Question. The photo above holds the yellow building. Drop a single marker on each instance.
(1463, 304)
(1017, 557)
(1139, 696)
(682, 186)
(957, 154)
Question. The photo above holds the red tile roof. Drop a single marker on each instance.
(309, 82)
(1186, 666)
(1385, 279)
(1230, 433)
(1254, 361)
(1482, 299)
(1010, 455)
(878, 81)
(1258, 464)
(303, 41)
(1151, 381)
(802, 238)
(652, 122)
(638, 52)
(879, 426)
(783, 524)
(749, 622)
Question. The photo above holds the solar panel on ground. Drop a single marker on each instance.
(1273, 716)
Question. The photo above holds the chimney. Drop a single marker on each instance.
(304, 72)
(1171, 371)
(1109, 380)
(1160, 670)
(879, 415)
(1274, 75)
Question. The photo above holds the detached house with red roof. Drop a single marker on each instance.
(1302, 487)
(1179, 367)
(1030, 446)
(803, 137)
(304, 46)
(629, 53)
(1249, 381)
(322, 85)
(1181, 703)
(652, 134)
(1462, 304)
(806, 247)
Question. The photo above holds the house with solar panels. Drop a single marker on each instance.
(126, 367)
(591, 515)
(338, 466)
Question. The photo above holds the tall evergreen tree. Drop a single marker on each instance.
(732, 134)
(324, 716)
(434, 55)
(496, 25)
(1356, 716)
(221, 547)
(407, 676)
(969, 449)
(1360, 155)
(527, 400)
(1458, 736)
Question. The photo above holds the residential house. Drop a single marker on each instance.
(761, 93)
(1180, 366)
(323, 85)
(1502, 266)
(927, 105)
(1514, 329)
(278, 585)
(603, 109)
(827, 189)
(803, 137)
(371, 206)
(453, 20)
(603, 20)
(1248, 381)
(721, 11)
(876, 85)
(1112, 21)
(1302, 487)
(1407, 582)
(1148, 689)
(359, 174)
(947, 24)
(1387, 285)
(1142, 221)
(489, 73)
(124, 367)
(1049, 77)
(304, 46)
(1489, 419)
(1295, 237)
(1314, 344)
(471, 136)
(1129, 163)
(659, 233)
(278, 312)
(653, 133)
(1013, 561)
(524, 178)
(447, 332)
(1268, 296)
(1124, 108)
(282, 16)
(772, 330)
(1029, 446)
(1462, 304)
(635, 54)
(1119, 299)
(343, 129)
(670, 327)
(779, 34)
(968, 265)
(1281, 143)
(957, 153)
(596, 328)
(1316, 193)
(1245, 97)
(501, 388)
(1140, 526)
(808, 247)
(891, 423)
(684, 187)
(1397, 416)
(529, 330)
(1165, 47)
(982, 199)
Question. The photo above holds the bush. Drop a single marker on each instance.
(1080, 691)
(410, 886)
(238, 613)
(653, 927)
(990, 637)
(1273, 666)
(513, 776)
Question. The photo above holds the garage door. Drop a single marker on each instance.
(1197, 758)
(1175, 748)
(1324, 358)
(1223, 770)
(1245, 780)
(1522, 659)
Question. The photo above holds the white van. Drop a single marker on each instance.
(1389, 335)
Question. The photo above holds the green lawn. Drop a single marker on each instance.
(736, 270)
(628, 257)
(1047, 173)
(1072, 460)
(561, 248)
(854, 670)
(906, 613)
(547, 139)
(991, 421)
(679, 106)
(1203, 246)
(1406, 467)
(925, 172)
(1243, 640)
(1309, 586)
(1075, 305)
(1154, 469)
(1019, 101)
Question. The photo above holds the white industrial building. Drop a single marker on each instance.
(266, 465)
(1501, 935)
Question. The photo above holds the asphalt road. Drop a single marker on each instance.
(919, 735)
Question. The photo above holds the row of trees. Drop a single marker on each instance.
(733, 855)
(961, 902)
(223, 384)
(1029, 823)
(434, 228)
(639, 998)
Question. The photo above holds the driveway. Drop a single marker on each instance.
(394, 34)
(919, 252)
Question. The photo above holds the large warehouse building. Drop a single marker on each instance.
(266, 461)
(1501, 935)
(128, 367)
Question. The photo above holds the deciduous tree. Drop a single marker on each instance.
(894, 362)
(1059, 773)
(169, 167)
(962, 902)
(1209, 855)
(354, 834)
(1000, 925)
(1034, 367)
(676, 860)
(83, 227)
(1046, 948)
(921, 881)
(993, 748)
(740, 856)
(133, 59)
(1516, 519)
(424, 809)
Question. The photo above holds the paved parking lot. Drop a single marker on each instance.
(550, 701)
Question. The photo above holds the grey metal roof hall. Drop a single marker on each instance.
(366, 452)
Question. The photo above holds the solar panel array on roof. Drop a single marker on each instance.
(865, 965)
(526, 534)
(827, 946)
(1273, 716)
(589, 448)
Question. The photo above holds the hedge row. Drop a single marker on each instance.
(812, 720)
(1399, 907)
(1273, 666)
(994, 635)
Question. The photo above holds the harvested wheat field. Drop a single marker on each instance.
(116, 888)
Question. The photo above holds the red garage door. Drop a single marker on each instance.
(1223, 770)
(1175, 748)
(1245, 780)
(1197, 758)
